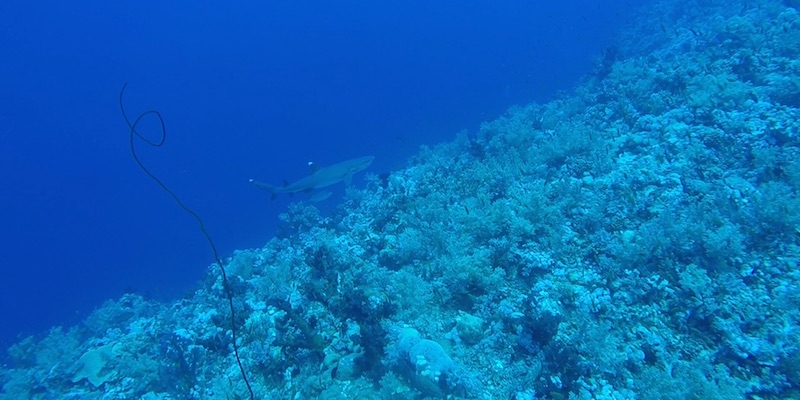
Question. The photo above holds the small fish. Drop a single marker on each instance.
(316, 197)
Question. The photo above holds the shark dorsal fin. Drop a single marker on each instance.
(312, 167)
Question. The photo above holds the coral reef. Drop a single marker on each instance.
(634, 239)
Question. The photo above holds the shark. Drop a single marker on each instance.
(320, 177)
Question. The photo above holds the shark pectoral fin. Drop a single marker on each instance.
(348, 179)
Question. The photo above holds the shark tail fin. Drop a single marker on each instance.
(273, 190)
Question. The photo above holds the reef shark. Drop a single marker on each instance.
(320, 177)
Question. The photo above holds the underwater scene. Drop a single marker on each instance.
(634, 237)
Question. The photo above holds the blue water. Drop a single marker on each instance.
(251, 90)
